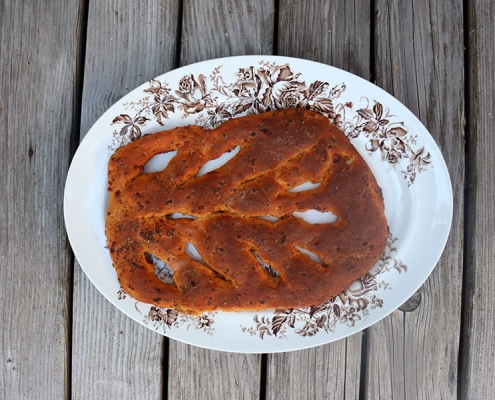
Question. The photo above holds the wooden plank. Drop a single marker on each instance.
(335, 33)
(478, 372)
(112, 355)
(225, 28)
(211, 30)
(196, 373)
(331, 371)
(38, 47)
(419, 59)
(127, 44)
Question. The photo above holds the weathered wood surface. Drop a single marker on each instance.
(112, 355)
(331, 371)
(196, 373)
(53, 345)
(225, 28)
(419, 59)
(335, 33)
(37, 101)
(478, 367)
(127, 44)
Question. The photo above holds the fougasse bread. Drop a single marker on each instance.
(247, 261)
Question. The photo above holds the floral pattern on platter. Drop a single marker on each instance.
(272, 87)
(212, 101)
(391, 138)
(166, 318)
(350, 306)
(170, 318)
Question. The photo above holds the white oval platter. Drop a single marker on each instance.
(403, 156)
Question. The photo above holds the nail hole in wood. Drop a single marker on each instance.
(412, 303)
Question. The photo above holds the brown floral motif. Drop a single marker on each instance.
(268, 87)
(167, 318)
(193, 95)
(157, 87)
(162, 316)
(204, 321)
(348, 307)
(121, 294)
(391, 138)
(131, 128)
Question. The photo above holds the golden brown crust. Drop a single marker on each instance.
(279, 150)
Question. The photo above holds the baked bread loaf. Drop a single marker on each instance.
(247, 262)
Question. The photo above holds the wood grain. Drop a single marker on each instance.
(211, 30)
(419, 59)
(335, 33)
(331, 371)
(478, 369)
(206, 374)
(225, 28)
(38, 47)
(114, 357)
(127, 44)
